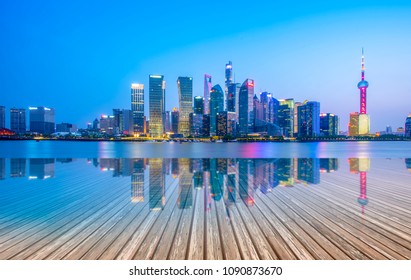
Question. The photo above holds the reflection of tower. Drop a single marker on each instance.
(137, 181)
(361, 165)
(41, 168)
(196, 167)
(232, 172)
(185, 192)
(156, 186)
(17, 167)
(175, 169)
(245, 182)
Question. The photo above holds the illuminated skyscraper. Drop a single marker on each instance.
(137, 107)
(185, 101)
(18, 120)
(286, 116)
(364, 119)
(175, 115)
(207, 89)
(245, 110)
(309, 119)
(198, 105)
(157, 87)
(353, 124)
(408, 126)
(329, 124)
(2, 117)
(216, 105)
(42, 120)
(228, 81)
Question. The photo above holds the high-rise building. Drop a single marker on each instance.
(127, 122)
(309, 119)
(232, 97)
(286, 116)
(353, 124)
(2, 117)
(18, 120)
(296, 105)
(175, 115)
(198, 105)
(329, 124)
(157, 87)
(42, 120)
(185, 100)
(364, 119)
(167, 123)
(196, 124)
(228, 82)
(206, 126)
(408, 126)
(226, 123)
(107, 124)
(245, 110)
(207, 89)
(137, 108)
(216, 105)
(96, 124)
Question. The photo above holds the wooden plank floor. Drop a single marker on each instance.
(87, 214)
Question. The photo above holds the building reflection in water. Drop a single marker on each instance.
(361, 166)
(185, 185)
(42, 168)
(408, 164)
(2, 168)
(137, 180)
(156, 184)
(18, 167)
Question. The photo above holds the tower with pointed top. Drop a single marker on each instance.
(364, 119)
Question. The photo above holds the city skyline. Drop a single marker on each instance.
(277, 55)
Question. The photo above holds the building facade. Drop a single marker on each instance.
(286, 116)
(329, 124)
(175, 115)
(137, 108)
(185, 101)
(207, 90)
(408, 126)
(2, 117)
(18, 120)
(216, 105)
(245, 110)
(353, 129)
(198, 105)
(42, 120)
(157, 87)
(309, 119)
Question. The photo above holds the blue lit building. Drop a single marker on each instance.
(309, 119)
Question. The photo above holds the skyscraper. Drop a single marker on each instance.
(353, 124)
(2, 117)
(198, 105)
(364, 119)
(42, 120)
(245, 110)
(174, 120)
(137, 108)
(309, 119)
(408, 126)
(286, 116)
(329, 124)
(216, 105)
(18, 120)
(185, 100)
(228, 81)
(207, 89)
(157, 88)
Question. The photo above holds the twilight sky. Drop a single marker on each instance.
(80, 57)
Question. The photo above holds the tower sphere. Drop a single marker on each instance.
(362, 84)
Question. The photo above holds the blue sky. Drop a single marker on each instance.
(80, 57)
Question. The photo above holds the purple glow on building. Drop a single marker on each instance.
(363, 85)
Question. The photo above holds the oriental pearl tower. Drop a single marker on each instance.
(364, 119)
